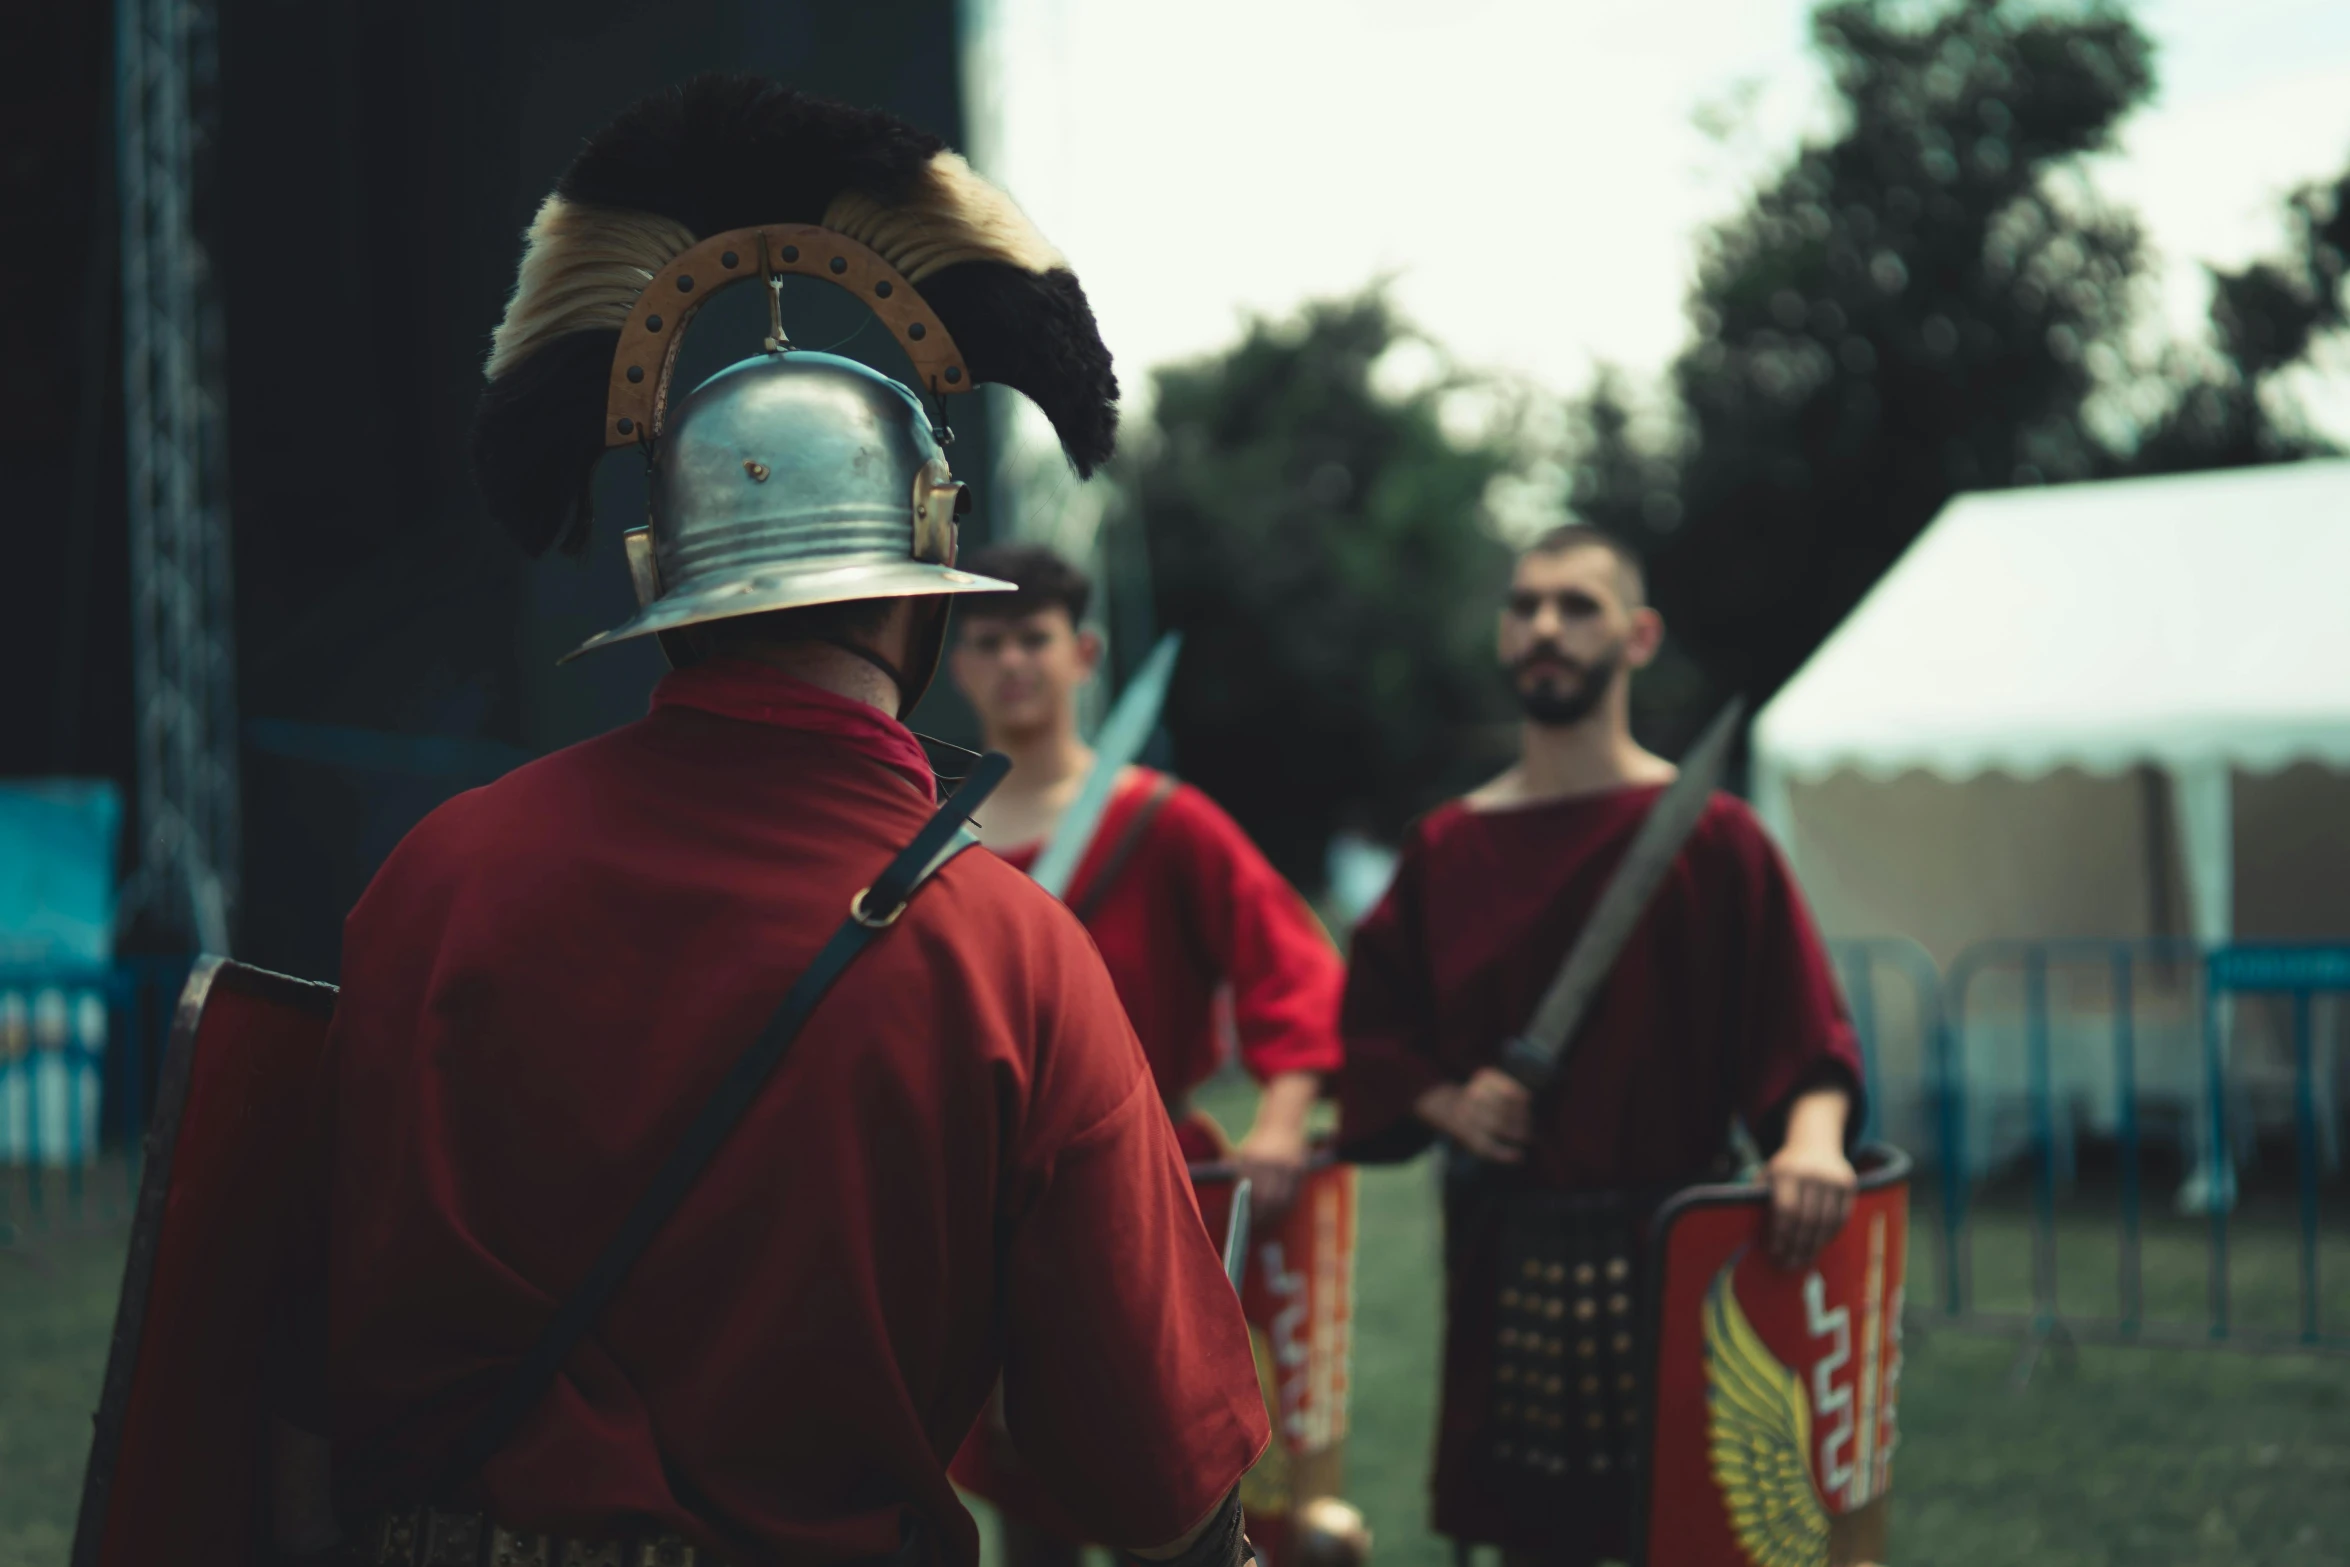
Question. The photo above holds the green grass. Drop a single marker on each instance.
(2107, 1457)
(56, 1307)
(2264, 1282)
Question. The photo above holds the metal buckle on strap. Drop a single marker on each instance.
(858, 912)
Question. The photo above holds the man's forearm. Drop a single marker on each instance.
(1810, 1179)
(1286, 1103)
(1817, 1120)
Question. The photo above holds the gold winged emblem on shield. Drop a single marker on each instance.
(1759, 1429)
(1774, 1390)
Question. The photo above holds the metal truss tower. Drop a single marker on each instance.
(175, 457)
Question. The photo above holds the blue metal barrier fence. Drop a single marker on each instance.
(79, 1049)
(2300, 974)
(1956, 1083)
(71, 1033)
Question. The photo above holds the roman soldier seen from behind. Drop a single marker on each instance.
(958, 1167)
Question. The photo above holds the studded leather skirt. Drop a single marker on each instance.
(1570, 1372)
(431, 1537)
(428, 1537)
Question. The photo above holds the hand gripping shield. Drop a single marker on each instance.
(1773, 1410)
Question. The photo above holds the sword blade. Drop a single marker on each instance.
(1236, 1235)
(1124, 733)
(1538, 1052)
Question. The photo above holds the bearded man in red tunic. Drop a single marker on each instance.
(958, 1174)
(1720, 1009)
(1188, 914)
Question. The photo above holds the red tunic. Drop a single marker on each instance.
(1191, 905)
(1721, 1004)
(962, 1168)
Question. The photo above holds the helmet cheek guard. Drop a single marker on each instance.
(941, 501)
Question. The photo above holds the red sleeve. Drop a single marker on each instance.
(1286, 976)
(1129, 1383)
(1388, 1025)
(1799, 1036)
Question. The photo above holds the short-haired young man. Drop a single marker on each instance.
(1179, 901)
(1721, 1005)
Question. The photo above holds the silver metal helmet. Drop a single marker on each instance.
(796, 479)
(790, 480)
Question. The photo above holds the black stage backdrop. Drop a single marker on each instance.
(376, 165)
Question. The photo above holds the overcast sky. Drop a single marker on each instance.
(1530, 171)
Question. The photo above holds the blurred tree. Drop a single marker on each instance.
(1614, 483)
(1321, 541)
(1917, 306)
(1622, 484)
(2232, 407)
(1931, 300)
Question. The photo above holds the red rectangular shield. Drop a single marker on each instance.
(1774, 1394)
(175, 1471)
(1298, 1295)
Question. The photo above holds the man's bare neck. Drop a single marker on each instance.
(1048, 768)
(1563, 761)
(1041, 757)
(830, 669)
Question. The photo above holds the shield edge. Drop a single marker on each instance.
(1879, 1165)
(138, 1273)
(1318, 1474)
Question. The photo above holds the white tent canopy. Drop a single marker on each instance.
(2097, 710)
(2176, 621)
(2198, 624)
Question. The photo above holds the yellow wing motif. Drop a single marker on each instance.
(1267, 1487)
(1758, 1425)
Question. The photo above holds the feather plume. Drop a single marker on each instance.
(727, 152)
(583, 270)
(948, 217)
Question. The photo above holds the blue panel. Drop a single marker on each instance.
(58, 838)
(2294, 967)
